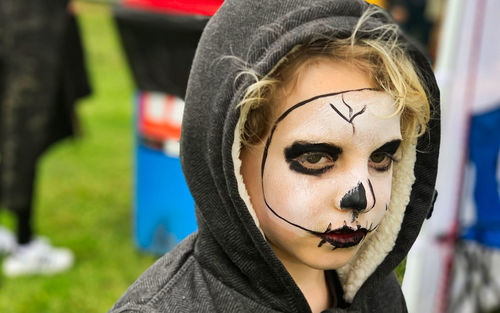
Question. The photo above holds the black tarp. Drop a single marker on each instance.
(159, 47)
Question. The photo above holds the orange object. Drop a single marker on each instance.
(380, 3)
(160, 116)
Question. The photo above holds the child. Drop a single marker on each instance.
(312, 168)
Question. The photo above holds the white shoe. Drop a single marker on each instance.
(37, 257)
(7, 241)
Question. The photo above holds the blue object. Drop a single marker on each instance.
(164, 208)
(484, 149)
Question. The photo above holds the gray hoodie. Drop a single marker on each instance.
(227, 265)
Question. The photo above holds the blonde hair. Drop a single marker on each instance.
(382, 56)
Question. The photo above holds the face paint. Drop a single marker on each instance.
(302, 152)
(355, 199)
(325, 171)
(311, 158)
(351, 115)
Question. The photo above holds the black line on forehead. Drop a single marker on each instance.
(349, 120)
(292, 108)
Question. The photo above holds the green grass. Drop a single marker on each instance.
(84, 191)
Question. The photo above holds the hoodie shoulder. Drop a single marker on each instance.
(162, 283)
(177, 283)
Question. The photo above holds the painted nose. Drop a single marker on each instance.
(355, 199)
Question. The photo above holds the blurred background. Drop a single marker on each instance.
(114, 194)
(84, 189)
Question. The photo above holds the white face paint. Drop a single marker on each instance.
(323, 182)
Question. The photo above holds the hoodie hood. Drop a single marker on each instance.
(260, 33)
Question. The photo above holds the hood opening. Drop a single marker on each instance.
(378, 245)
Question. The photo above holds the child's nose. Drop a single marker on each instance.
(357, 199)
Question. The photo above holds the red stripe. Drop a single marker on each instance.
(469, 95)
(190, 7)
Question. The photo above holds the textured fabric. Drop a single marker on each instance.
(228, 266)
(41, 75)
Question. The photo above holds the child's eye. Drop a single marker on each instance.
(382, 158)
(314, 158)
(313, 163)
(381, 161)
(378, 157)
(311, 158)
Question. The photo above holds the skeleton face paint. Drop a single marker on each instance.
(326, 168)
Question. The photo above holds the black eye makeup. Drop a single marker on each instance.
(382, 158)
(311, 158)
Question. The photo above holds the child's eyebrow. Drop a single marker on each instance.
(389, 147)
(300, 147)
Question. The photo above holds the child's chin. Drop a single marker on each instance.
(327, 259)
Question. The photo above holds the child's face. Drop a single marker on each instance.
(321, 181)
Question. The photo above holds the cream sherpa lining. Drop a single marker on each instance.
(235, 153)
(381, 241)
(377, 246)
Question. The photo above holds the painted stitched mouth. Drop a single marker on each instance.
(344, 237)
